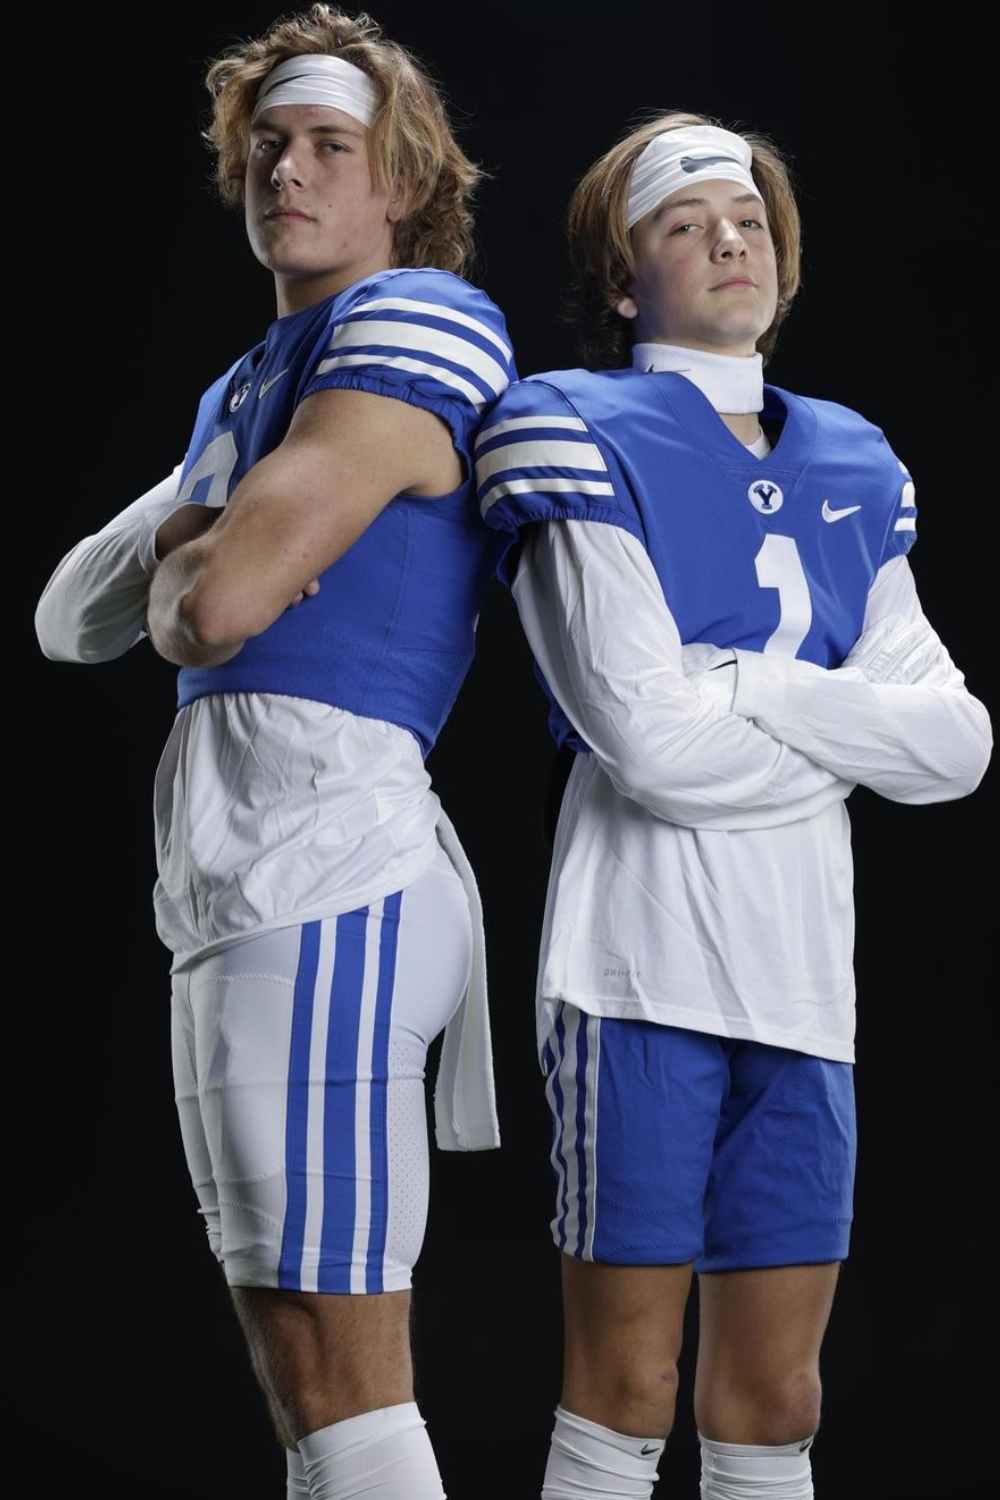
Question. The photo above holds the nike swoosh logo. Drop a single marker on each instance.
(829, 514)
(695, 163)
(267, 384)
(647, 1448)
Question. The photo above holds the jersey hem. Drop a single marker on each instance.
(667, 1015)
(442, 407)
(317, 912)
(287, 691)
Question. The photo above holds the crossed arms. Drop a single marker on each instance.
(205, 581)
(717, 739)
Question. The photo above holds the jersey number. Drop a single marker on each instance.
(216, 464)
(780, 567)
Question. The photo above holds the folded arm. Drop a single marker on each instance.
(347, 453)
(896, 717)
(593, 610)
(93, 608)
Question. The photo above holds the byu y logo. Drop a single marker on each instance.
(764, 495)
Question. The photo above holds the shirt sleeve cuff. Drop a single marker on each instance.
(761, 684)
(148, 560)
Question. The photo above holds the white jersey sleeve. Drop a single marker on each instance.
(896, 717)
(93, 608)
(594, 614)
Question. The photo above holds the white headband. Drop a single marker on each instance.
(695, 153)
(318, 78)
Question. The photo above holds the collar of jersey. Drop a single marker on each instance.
(694, 410)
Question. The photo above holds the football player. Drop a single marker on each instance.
(712, 574)
(315, 567)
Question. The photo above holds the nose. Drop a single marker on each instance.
(286, 170)
(729, 243)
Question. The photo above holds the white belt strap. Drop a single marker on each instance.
(465, 1108)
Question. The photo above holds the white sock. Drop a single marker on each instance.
(298, 1485)
(382, 1455)
(590, 1462)
(736, 1471)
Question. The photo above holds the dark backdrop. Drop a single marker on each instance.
(136, 288)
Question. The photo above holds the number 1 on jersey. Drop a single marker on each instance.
(780, 567)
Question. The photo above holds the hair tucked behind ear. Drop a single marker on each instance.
(600, 243)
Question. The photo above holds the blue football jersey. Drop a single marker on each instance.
(774, 554)
(390, 634)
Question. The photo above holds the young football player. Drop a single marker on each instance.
(712, 573)
(315, 566)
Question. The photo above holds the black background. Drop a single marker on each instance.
(135, 290)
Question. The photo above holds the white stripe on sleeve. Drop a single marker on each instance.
(549, 455)
(544, 487)
(450, 314)
(572, 424)
(397, 362)
(425, 341)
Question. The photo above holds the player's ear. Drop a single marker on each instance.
(626, 306)
(400, 201)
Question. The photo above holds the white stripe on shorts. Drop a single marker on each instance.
(574, 1151)
(315, 1144)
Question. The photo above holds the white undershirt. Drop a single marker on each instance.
(722, 817)
(271, 810)
(268, 809)
(702, 874)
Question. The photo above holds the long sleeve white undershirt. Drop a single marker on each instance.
(701, 874)
(799, 736)
(272, 809)
(916, 742)
(594, 614)
(268, 808)
(93, 608)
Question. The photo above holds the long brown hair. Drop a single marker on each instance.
(410, 140)
(600, 243)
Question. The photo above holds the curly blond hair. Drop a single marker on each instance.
(410, 139)
(600, 242)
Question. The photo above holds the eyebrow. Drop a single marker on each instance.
(701, 202)
(263, 123)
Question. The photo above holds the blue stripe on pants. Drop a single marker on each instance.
(297, 1110)
(379, 1134)
(339, 1142)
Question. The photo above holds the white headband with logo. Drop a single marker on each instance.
(318, 78)
(695, 153)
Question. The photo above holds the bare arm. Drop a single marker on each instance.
(897, 717)
(347, 453)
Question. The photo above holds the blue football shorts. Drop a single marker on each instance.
(672, 1146)
(299, 1061)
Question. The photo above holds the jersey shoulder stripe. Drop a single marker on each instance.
(448, 335)
(412, 308)
(907, 514)
(538, 459)
(384, 342)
